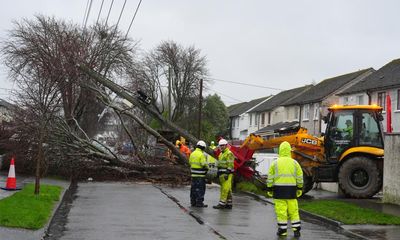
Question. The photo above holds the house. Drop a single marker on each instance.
(242, 123)
(5, 111)
(374, 89)
(308, 107)
(271, 113)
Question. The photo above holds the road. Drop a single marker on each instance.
(145, 211)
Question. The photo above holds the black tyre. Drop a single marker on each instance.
(308, 183)
(360, 177)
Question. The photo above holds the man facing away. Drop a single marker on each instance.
(198, 170)
(225, 175)
(285, 184)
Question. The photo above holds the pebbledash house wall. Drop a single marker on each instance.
(391, 169)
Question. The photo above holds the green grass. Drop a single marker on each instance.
(250, 187)
(25, 210)
(348, 213)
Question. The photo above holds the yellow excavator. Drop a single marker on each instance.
(350, 151)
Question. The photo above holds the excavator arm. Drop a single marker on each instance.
(307, 149)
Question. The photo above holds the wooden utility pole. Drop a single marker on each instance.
(200, 107)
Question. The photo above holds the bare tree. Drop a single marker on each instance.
(42, 55)
(171, 69)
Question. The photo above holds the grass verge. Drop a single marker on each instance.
(25, 210)
(348, 213)
(250, 187)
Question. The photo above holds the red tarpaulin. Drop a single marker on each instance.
(389, 128)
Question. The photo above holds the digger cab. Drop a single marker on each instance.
(353, 129)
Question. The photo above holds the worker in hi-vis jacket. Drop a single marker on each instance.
(285, 184)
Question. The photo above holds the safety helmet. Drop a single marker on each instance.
(212, 142)
(201, 144)
(177, 142)
(222, 142)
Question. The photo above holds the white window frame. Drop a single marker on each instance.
(360, 97)
(381, 102)
(398, 100)
(316, 111)
(250, 119)
(296, 113)
(306, 112)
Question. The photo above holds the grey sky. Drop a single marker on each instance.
(279, 44)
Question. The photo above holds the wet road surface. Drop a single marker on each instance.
(143, 211)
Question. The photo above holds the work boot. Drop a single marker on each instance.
(297, 233)
(281, 232)
(219, 206)
(228, 206)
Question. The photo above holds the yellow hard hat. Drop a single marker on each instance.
(177, 142)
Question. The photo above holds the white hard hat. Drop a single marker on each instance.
(222, 142)
(201, 143)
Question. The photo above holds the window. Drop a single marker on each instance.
(381, 100)
(306, 112)
(398, 99)
(269, 118)
(251, 118)
(316, 111)
(262, 118)
(360, 100)
(296, 113)
(369, 132)
(346, 101)
(256, 118)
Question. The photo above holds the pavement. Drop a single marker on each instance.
(121, 210)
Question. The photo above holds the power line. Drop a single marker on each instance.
(84, 15)
(101, 8)
(237, 100)
(245, 84)
(133, 18)
(88, 13)
(120, 14)
(109, 11)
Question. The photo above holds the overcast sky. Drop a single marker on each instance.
(277, 44)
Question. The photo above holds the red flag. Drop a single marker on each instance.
(389, 128)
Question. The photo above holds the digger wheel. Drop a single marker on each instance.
(308, 183)
(360, 177)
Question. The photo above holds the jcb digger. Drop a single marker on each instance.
(350, 152)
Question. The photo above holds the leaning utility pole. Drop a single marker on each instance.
(200, 107)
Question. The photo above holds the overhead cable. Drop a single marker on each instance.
(133, 18)
(101, 8)
(109, 11)
(237, 100)
(84, 15)
(120, 14)
(88, 13)
(245, 84)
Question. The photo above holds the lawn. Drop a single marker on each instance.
(25, 210)
(348, 213)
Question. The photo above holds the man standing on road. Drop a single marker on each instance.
(198, 170)
(225, 175)
(285, 184)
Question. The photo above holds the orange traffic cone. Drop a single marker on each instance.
(11, 184)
